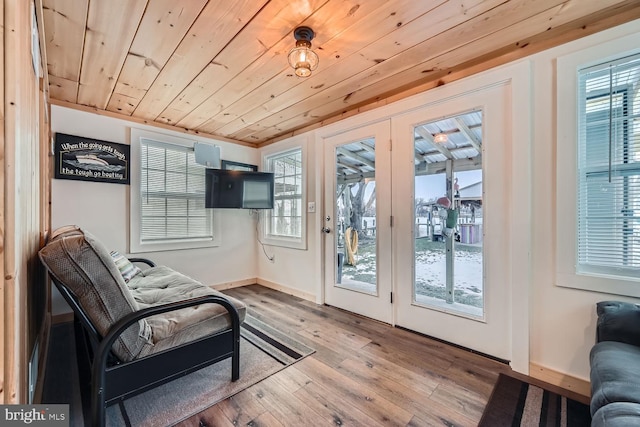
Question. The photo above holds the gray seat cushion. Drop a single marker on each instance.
(161, 285)
(618, 414)
(615, 374)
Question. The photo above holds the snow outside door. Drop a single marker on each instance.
(357, 219)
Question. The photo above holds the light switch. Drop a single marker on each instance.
(311, 207)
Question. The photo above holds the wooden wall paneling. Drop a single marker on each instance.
(484, 33)
(13, 329)
(331, 46)
(163, 26)
(271, 25)
(67, 20)
(110, 31)
(4, 343)
(21, 215)
(17, 25)
(218, 23)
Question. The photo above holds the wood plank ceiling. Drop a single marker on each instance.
(220, 67)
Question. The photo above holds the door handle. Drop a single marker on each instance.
(325, 230)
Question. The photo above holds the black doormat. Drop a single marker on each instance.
(517, 403)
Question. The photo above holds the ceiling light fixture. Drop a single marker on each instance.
(301, 57)
(441, 138)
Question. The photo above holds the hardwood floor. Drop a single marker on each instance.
(363, 373)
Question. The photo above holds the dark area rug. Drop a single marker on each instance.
(517, 403)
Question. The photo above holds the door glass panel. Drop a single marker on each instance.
(356, 222)
(448, 214)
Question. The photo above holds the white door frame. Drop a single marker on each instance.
(520, 112)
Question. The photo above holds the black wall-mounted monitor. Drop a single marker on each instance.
(234, 189)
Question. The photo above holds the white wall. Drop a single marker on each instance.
(103, 209)
(562, 322)
(295, 268)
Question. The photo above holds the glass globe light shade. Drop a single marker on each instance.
(303, 59)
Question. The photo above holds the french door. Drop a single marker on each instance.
(428, 220)
(451, 176)
(356, 221)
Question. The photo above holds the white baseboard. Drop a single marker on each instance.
(287, 290)
(267, 284)
(560, 379)
(234, 284)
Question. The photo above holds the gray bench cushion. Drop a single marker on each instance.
(161, 285)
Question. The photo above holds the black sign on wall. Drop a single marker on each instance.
(88, 159)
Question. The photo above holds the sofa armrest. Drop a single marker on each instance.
(618, 321)
(144, 261)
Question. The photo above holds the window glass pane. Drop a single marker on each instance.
(153, 206)
(609, 169)
(448, 234)
(286, 218)
(172, 195)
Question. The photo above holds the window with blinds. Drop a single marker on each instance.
(172, 195)
(608, 200)
(285, 220)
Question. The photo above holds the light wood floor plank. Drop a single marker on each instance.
(363, 373)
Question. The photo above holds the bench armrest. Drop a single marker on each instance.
(144, 261)
(618, 321)
(98, 375)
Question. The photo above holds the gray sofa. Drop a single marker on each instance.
(615, 366)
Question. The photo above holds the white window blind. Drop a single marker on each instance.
(172, 195)
(609, 168)
(285, 219)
